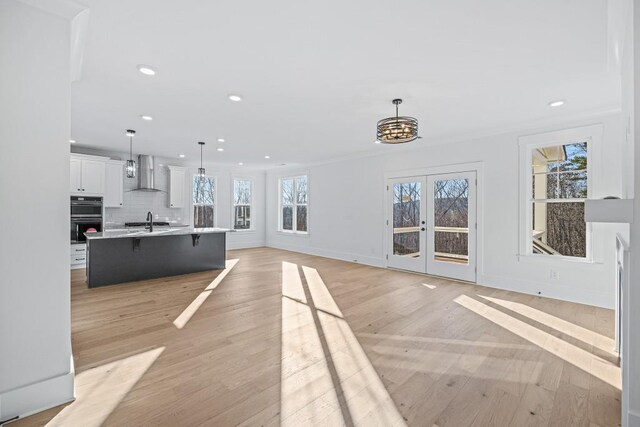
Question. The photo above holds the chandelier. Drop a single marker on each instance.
(131, 164)
(201, 172)
(398, 129)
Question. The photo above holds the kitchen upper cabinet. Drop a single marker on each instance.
(87, 175)
(93, 174)
(114, 184)
(177, 177)
(76, 176)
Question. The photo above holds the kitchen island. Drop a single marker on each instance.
(119, 256)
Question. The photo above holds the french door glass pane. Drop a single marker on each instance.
(451, 220)
(406, 219)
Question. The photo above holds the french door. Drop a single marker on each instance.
(432, 224)
(406, 223)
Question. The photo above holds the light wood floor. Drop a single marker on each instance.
(289, 339)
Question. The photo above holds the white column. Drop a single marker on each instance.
(36, 369)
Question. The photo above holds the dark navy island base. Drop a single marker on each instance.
(126, 258)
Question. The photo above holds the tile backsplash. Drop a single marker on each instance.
(136, 204)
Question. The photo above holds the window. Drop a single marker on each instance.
(559, 187)
(294, 204)
(203, 201)
(242, 204)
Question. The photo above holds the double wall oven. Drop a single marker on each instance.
(86, 214)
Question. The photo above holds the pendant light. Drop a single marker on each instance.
(131, 164)
(201, 169)
(398, 129)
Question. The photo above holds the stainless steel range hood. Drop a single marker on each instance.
(146, 179)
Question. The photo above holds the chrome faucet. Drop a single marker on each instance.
(150, 221)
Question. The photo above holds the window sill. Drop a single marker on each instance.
(250, 230)
(555, 258)
(293, 233)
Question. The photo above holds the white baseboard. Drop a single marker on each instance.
(543, 289)
(245, 245)
(343, 256)
(548, 290)
(24, 401)
(633, 419)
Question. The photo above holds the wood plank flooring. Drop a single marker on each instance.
(284, 338)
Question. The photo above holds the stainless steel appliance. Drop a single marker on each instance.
(86, 213)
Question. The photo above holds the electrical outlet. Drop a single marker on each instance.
(555, 275)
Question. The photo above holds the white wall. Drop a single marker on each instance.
(223, 209)
(35, 336)
(347, 213)
(630, 99)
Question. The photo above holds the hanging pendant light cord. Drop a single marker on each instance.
(130, 147)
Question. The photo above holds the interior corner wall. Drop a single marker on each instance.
(224, 204)
(347, 212)
(631, 330)
(36, 370)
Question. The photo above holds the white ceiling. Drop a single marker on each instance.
(316, 76)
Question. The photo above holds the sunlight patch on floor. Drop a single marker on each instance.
(426, 285)
(437, 340)
(568, 328)
(188, 312)
(578, 357)
(305, 381)
(99, 390)
(326, 377)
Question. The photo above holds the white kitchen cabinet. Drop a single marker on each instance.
(177, 195)
(76, 176)
(78, 256)
(114, 184)
(87, 175)
(93, 177)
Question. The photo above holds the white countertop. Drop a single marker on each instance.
(157, 232)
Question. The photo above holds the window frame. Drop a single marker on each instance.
(592, 135)
(235, 178)
(294, 230)
(215, 200)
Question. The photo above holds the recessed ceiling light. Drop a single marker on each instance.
(72, 141)
(235, 98)
(146, 70)
(181, 156)
(556, 103)
(147, 118)
(267, 157)
(220, 139)
(240, 163)
(220, 149)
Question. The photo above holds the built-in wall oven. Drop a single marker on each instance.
(86, 214)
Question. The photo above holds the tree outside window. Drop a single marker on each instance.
(558, 193)
(203, 201)
(294, 204)
(242, 204)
